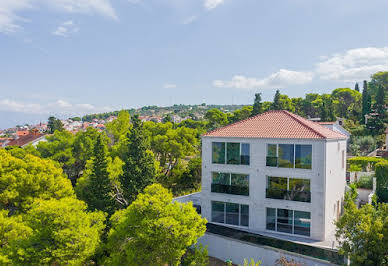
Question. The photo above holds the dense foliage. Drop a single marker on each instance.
(363, 232)
(153, 230)
(382, 181)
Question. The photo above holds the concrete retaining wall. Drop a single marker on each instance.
(225, 248)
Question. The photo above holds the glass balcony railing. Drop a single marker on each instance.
(303, 196)
(271, 161)
(230, 189)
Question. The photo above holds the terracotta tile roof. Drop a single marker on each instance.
(23, 140)
(276, 124)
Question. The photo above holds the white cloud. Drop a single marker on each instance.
(8, 17)
(66, 28)
(211, 4)
(59, 107)
(354, 64)
(169, 86)
(9, 9)
(190, 20)
(280, 79)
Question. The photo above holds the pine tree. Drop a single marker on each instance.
(356, 87)
(98, 192)
(276, 104)
(139, 163)
(366, 101)
(257, 105)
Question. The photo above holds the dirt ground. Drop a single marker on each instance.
(217, 262)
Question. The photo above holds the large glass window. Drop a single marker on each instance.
(271, 219)
(230, 213)
(289, 156)
(288, 221)
(272, 155)
(303, 154)
(298, 184)
(218, 211)
(218, 152)
(245, 153)
(284, 220)
(229, 183)
(286, 155)
(221, 178)
(232, 153)
(302, 223)
(295, 189)
(244, 215)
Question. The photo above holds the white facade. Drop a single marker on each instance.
(327, 182)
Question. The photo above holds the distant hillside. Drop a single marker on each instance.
(182, 110)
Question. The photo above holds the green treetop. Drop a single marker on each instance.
(159, 230)
(24, 180)
(139, 163)
(54, 124)
(55, 232)
(257, 105)
(276, 105)
(363, 233)
(98, 189)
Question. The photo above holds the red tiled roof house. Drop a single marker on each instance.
(276, 173)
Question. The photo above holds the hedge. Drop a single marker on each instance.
(364, 163)
(382, 181)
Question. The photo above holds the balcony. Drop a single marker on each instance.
(230, 189)
(303, 196)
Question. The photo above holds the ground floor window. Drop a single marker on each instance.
(288, 221)
(230, 213)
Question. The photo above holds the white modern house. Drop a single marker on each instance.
(274, 173)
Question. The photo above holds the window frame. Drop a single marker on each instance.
(294, 158)
(293, 222)
(239, 213)
(226, 153)
(268, 179)
(229, 174)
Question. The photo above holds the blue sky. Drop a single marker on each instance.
(66, 57)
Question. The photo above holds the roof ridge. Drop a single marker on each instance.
(235, 123)
(298, 118)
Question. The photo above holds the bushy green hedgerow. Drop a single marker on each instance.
(364, 163)
(382, 181)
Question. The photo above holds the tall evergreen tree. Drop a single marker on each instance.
(356, 87)
(323, 111)
(98, 192)
(276, 104)
(366, 101)
(139, 163)
(257, 105)
(379, 105)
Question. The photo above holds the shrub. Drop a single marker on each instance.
(365, 182)
(361, 163)
(382, 181)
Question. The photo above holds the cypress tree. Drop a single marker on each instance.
(380, 107)
(98, 194)
(276, 105)
(257, 105)
(139, 163)
(356, 87)
(366, 101)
